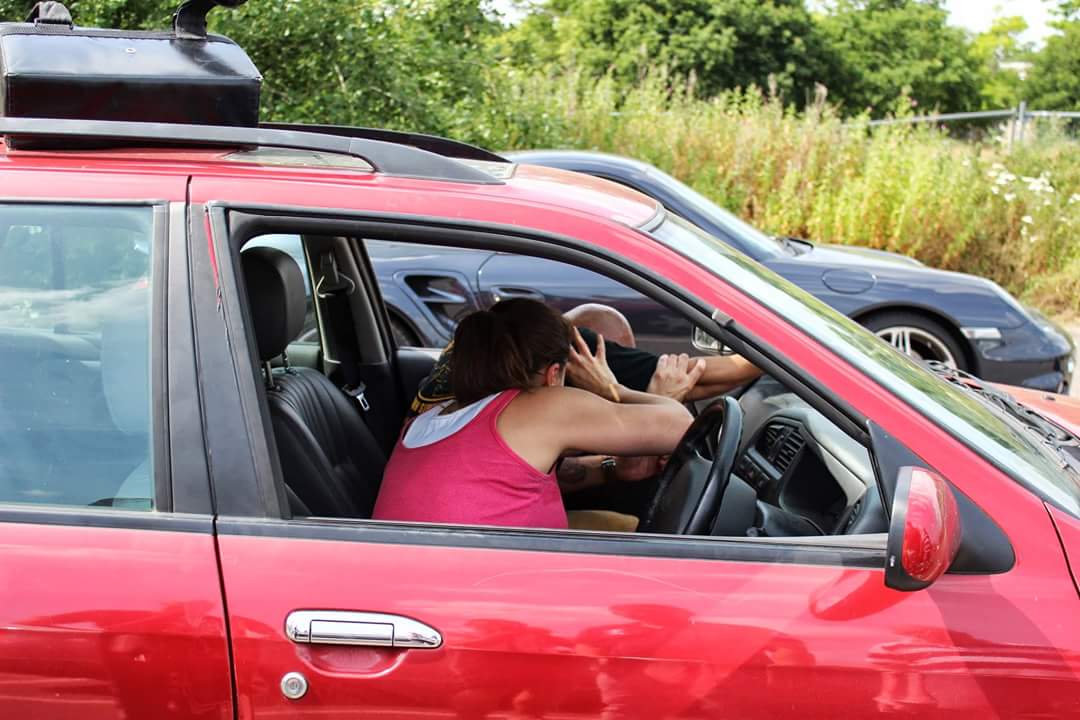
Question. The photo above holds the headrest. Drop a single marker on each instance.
(276, 295)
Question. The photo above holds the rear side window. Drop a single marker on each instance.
(75, 421)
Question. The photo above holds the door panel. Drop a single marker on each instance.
(565, 286)
(100, 622)
(545, 634)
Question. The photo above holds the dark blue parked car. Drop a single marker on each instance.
(959, 319)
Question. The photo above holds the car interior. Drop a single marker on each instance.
(758, 462)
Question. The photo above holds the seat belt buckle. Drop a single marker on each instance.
(358, 393)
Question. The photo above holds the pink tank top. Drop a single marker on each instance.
(471, 477)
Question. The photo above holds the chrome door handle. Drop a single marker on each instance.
(336, 627)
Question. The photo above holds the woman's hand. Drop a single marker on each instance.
(591, 372)
(676, 376)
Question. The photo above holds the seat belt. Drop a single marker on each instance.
(334, 289)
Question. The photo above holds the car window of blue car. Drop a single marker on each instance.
(987, 431)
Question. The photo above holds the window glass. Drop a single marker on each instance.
(294, 246)
(75, 425)
(986, 430)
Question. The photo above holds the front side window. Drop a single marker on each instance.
(990, 433)
(75, 394)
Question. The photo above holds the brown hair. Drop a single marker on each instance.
(503, 348)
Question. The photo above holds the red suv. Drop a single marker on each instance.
(191, 440)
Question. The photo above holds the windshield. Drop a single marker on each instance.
(759, 244)
(989, 432)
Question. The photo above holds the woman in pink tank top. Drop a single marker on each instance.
(488, 457)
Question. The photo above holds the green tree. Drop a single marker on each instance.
(722, 44)
(885, 47)
(1054, 82)
(128, 14)
(417, 64)
(999, 49)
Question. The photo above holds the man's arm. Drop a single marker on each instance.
(722, 374)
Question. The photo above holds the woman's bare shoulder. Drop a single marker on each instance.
(553, 401)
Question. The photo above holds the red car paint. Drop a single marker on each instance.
(1068, 529)
(525, 633)
(1062, 409)
(111, 623)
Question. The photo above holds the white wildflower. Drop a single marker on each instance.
(1027, 179)
(1027, 220)
(1009, 197)
(1074, 198)
(997, 166)
(994, 189)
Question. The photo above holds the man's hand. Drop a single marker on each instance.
(635, 469)
(591, 372)
(675, 376)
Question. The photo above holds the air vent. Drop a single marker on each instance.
(780, 443)
(770, 438)
(788, 450)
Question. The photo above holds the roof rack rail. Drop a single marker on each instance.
(385, 157)
(432, 143)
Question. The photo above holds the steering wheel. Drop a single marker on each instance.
(691, 487)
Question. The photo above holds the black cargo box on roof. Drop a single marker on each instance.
(50, 68)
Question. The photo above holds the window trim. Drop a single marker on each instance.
(232, 225)
(162, 286)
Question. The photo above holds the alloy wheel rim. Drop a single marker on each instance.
(917, 343)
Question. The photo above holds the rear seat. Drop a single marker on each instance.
(58, 439)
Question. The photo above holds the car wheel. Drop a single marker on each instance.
(403, 334)
(920, 337)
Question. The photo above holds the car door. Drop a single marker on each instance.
(110, 600)
(353, 618)
(565, 286)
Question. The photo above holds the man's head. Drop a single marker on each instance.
(602, 320)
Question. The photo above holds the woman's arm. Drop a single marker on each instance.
(543, 424)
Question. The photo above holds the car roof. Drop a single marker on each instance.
(579, 157)
(538, 185)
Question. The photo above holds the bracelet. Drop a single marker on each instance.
(608, 469)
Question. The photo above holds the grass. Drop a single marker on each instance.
(971, 206)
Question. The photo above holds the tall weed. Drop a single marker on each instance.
(978, 207)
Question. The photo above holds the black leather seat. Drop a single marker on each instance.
(330, 460)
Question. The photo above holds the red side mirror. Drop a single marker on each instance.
(924, 534)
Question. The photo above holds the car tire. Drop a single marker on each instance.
(403, 334)
(921, 337)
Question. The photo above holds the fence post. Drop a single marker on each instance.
(1021, 120)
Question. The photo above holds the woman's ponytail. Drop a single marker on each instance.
(503, 348)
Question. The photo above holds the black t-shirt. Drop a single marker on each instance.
(632, 367)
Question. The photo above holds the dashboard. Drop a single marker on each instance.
(810, 477)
